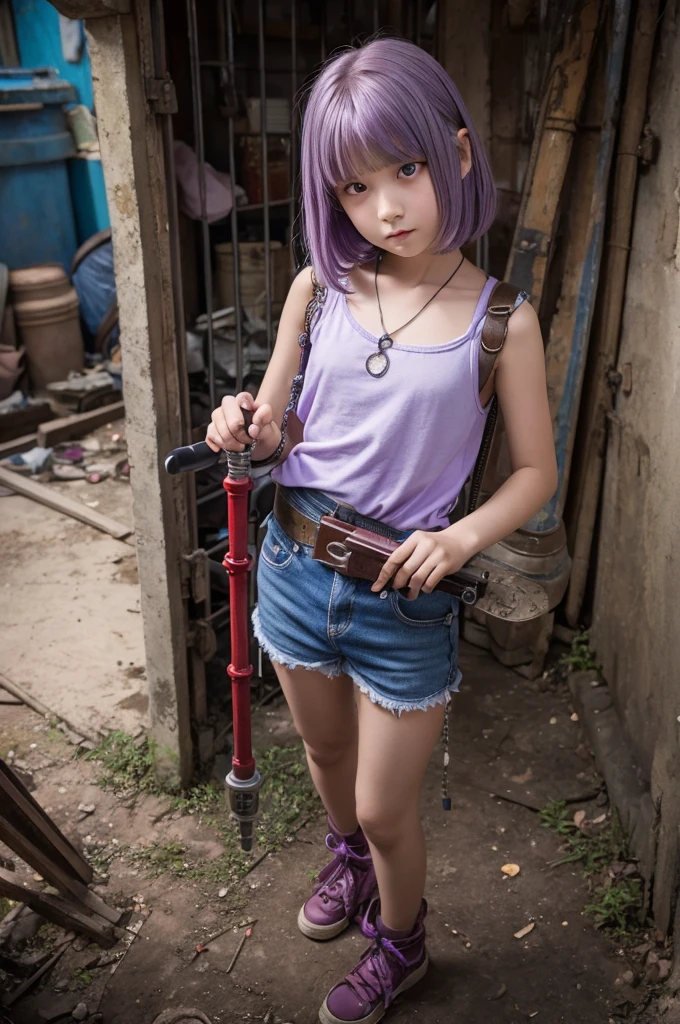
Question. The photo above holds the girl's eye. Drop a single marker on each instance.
(355, 188)
(408, 170)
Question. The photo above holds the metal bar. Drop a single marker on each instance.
(265, 172)
(293, 133)
(322, 31)
(200, 154)
(236, 263)
(209, 496)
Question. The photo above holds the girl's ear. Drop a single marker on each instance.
(464, 151)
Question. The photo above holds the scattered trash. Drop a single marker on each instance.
(579, 818)
(68, 472)
(222, 893)
(498, 995)
(68, 454)
(553, 721)
(574, 717)
(525, 931)
(248, 932)
(510, 869)
(36, 460)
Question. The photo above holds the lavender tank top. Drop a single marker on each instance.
(398, 448)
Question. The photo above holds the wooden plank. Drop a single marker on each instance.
(32, 702)
(53, 872)
(19, 444)
(79, 424)
(597, 399)
(16, 795)
(532, 245)
(14, 996)
(61, 503)
(57, 910)
(8, 698)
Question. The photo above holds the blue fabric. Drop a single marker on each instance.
(95, 284)
(402, 654)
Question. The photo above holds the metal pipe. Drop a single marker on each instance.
(322, 31)
(265, 173)
(200, 154)
(236, 263)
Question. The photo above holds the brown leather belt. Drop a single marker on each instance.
(298, 526)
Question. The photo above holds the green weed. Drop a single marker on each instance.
(126, 764)
(616, 902)
(580, 658)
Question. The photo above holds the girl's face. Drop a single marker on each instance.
(395, 208)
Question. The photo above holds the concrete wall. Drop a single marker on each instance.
(636, 628)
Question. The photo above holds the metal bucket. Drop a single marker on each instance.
(50, 332)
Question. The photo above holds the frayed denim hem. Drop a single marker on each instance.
(327, 668)
(396, 706)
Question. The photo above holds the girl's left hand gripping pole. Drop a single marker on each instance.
(244, 781)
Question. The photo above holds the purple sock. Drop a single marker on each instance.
(351, 838)
(391, 933)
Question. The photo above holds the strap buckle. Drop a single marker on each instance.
(505, 310)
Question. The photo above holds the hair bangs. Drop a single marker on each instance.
(365, 133)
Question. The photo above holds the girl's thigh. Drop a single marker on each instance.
(394, 752)
(323, 707)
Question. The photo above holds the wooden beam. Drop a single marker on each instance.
(46, 495)
(19, 444)
(57, 910)
(67, 428)
(17, 802)
(125, 52)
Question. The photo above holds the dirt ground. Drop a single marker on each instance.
(70, 622)
(71, 635)
(512, 740)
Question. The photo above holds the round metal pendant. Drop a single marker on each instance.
(377, 364)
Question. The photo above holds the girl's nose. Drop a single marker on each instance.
(389, 208)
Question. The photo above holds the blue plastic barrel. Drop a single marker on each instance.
(36, 215)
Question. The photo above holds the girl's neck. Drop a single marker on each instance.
(426, 268)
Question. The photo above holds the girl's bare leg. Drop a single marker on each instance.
(393, 755)
(325, 716)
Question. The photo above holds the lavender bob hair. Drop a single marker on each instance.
(376, 105)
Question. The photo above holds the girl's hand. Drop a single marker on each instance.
(227, 430)
(423, 560)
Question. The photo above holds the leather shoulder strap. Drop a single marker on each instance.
(503, 300)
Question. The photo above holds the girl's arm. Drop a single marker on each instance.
(227, 429)
(523, 398)
(425, 557)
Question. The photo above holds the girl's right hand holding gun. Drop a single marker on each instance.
(228, 431)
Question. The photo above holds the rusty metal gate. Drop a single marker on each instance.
(233, 76)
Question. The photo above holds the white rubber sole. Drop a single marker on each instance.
(320, 932)
(326, 1017)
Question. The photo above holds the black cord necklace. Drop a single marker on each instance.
(378, 363)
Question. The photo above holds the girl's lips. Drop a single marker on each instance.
(400, 234)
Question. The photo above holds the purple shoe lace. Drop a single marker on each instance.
(336, 882)
(372, 980)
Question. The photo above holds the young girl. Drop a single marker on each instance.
(389, 423)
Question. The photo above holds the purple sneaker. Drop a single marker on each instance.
(344, 887)
(387, 968)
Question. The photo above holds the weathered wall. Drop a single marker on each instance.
(636, 628)
(136, 194)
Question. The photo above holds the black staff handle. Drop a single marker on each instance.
(192, 457)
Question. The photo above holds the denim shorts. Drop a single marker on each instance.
(402, 654)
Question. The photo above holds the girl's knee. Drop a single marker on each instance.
(328, 753)
(384, 827)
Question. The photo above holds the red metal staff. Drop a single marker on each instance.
(244, 780)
